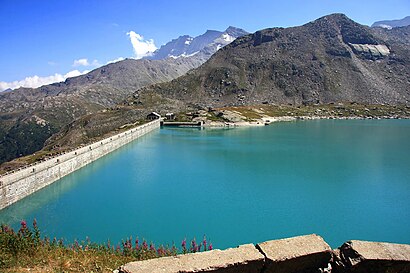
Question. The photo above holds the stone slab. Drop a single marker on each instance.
(243, 259)
(303, 253)
(363, 256)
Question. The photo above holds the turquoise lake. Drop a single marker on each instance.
(341, 179)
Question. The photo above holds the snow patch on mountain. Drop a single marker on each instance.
(206, 44)
(228, 37)
(188, 40)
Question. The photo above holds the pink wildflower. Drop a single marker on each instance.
(137, 244)
(204, 242)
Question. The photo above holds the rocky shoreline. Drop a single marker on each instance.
(248, 116)
(268, 120)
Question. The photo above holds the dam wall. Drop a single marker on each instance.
(21, 183)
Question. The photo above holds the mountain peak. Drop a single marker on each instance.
(332, 59)
(236, 32)
(207, 44)
(334, 18)
(339, 24)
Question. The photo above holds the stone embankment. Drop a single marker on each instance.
(307, 254)
(19, 184)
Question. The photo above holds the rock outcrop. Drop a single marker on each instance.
(362, 256)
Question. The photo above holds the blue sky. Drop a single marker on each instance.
(44, 38)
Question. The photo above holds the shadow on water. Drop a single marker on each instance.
(32, 205)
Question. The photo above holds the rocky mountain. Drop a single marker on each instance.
(328, 61)
(28, 117)
(332, 59)
(389, 24)
(205, 44)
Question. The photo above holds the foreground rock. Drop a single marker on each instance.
(243, 259)
(303, 253)
(362, 256)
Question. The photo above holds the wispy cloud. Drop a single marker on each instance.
(37, 81)
(141, 47)
(85, 62)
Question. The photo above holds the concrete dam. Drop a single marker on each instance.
(16, 185)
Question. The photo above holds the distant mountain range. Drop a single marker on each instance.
(207, 44)
(28, 117)
(389, 24)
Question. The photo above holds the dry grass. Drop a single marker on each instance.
(324, 110)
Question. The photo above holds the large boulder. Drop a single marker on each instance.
(308, 253)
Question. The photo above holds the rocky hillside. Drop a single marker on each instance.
(332, 59)
(28, 117)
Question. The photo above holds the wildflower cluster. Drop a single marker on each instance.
(195, 247)
(27, 244)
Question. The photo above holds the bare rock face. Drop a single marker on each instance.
(243, 259)
(362, 256)
(371, 51)
(308, 253)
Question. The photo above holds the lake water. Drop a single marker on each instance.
(340, 179)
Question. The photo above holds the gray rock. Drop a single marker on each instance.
(308, 253)
(362, 256)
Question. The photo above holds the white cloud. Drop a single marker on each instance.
(85, 62)
(81, 62)
(141, 47)
(36, 81)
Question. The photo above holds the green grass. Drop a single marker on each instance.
(27, 250)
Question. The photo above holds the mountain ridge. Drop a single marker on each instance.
(328, 60)
(389, 24)
(186, 45)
